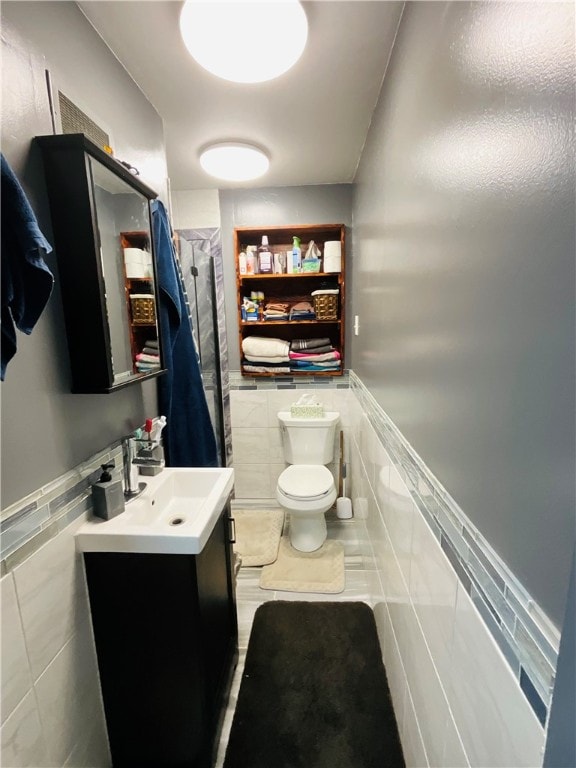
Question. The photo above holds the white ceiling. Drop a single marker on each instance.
(312, 121)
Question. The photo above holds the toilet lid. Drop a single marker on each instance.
(306, 481)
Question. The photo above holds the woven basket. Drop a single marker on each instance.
(143, 310)
(326, 306)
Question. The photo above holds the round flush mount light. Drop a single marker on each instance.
(244, 42)
(233, 161)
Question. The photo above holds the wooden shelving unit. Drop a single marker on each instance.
(140, 331)
(292, 288)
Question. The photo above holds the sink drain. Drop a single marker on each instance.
(177, 521)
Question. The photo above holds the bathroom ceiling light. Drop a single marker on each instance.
(233, 161)
(245, 42)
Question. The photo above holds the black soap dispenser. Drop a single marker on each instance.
(107, 495)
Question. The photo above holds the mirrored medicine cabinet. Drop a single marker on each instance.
(102, 226)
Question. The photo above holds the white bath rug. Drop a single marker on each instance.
(258, 533)
(321, 571)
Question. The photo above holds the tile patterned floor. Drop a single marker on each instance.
(249, 596)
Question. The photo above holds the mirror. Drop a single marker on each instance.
(124, 233)
(103, 240)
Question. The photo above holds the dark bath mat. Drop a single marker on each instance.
(314, 691)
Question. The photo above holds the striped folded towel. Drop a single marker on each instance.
(296, 345)
(314, 358)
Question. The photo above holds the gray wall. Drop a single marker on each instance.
(46, 430)
(464, 269)
(326, 204)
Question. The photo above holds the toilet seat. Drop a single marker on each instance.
(306, 481)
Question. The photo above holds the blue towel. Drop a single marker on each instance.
(302, 366)
(26, 280)
(188, 437)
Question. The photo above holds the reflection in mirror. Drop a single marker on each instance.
(123, 222)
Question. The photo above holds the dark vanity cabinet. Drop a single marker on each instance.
(103, 241)
(166, 638)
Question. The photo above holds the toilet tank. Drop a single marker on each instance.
(308, 441)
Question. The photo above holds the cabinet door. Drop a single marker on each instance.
(146, 623)
(217, 609)
(93, 200)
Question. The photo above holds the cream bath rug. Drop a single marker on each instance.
(320, 571)
(258, 533)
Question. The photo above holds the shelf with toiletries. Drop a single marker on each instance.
(140, 300)
(270, 323)
(291, 322)
(283, 276)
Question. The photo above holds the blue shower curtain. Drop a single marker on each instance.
(189, 439)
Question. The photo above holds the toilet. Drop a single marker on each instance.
(306, 489)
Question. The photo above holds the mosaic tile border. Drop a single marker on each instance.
(239, 381)
(42, 515)
(526, 637)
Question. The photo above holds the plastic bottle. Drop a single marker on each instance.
(265, 262)
(296, 255)
(250, 262)
(242, 267)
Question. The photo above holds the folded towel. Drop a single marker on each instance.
(248, 368)
(264, 359)
(316, 362)
(299, 366)
(317, 350)
(151, 343)
(313, 358)
(278, 306)
(302, 316)
(142, 358)
(269, 364)
(299, 344)
(275, 317)
(150, 351)
(302, 306)
(258, 346)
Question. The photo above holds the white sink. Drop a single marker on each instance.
(175, 514)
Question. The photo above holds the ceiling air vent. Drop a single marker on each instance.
(73, 120)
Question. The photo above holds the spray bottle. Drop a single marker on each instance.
(296, 255)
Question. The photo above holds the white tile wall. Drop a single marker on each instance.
(433, 587)
(456, 700)
(52, 597)
(69, 702)
(503, 730)
(16, 675)
(52, 712)
(23, 744)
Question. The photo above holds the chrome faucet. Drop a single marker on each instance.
(132, 486)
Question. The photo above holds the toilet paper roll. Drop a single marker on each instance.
(332, 256)
(135, 270)
(135, 261)
(134, 256)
